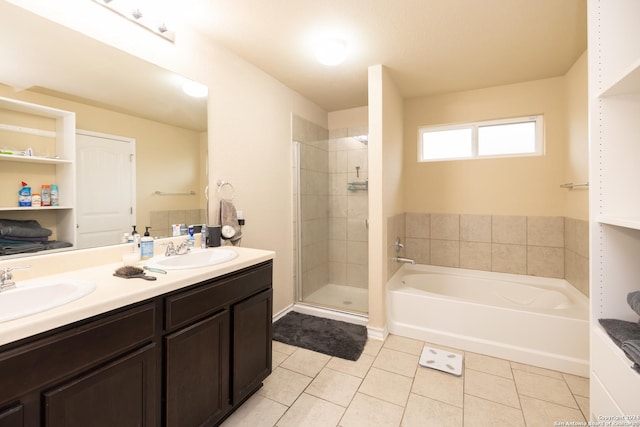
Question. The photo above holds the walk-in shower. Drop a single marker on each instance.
(331, 226)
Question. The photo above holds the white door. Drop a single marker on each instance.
(106, 188)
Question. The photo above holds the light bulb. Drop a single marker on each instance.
(331, 51)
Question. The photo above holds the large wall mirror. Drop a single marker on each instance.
(116, 94)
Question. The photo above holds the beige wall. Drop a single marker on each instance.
(504, 186)
(577, 157)
(385, 183)
(351, 118)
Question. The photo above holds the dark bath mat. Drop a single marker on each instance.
(332, 337)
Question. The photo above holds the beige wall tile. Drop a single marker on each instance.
(357, 230)
(418, 225)
(475, 255)
(445, 226)
(357, 206)
(475, 228)
(509, 258)
(582, 238)
(445, 253)
(545, 261)
(509, 229)
(338, 273)
(357, 275)
(338, 228)
(417, 249)
(545, 231)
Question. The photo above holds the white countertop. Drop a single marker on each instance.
(114, 292)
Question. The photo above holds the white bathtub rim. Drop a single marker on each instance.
(579, 312)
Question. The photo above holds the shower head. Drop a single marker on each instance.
(362, 138)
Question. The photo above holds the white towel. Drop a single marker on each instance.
(229, 216)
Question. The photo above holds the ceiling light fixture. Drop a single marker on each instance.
(194, 89)
(331, 51)
(134, 13)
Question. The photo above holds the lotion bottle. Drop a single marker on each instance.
(146, 245)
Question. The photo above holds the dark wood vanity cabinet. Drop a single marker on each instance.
(187, 358)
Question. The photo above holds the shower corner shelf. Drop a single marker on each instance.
(358, 186)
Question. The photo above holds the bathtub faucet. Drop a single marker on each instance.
(404, 260)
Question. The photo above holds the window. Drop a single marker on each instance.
(521, 136)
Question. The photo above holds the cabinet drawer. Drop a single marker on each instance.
(211, 296)
(46, 360)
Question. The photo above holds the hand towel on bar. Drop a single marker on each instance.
(620, 330)
(229, 216)
(633, 298)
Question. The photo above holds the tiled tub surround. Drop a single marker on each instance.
(531, 245)
(161, 221)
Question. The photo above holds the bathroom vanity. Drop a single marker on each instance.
(185, 351)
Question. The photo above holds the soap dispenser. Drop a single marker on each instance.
(146, 245)
(136, 241)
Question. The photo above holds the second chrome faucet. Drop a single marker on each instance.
(399, 248)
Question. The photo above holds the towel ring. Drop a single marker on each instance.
(221, 185)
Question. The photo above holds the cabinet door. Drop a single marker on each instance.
(252, 334)
(197, 372)
(122, 393)
(12, 417)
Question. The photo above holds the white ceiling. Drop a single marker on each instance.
(429, 46)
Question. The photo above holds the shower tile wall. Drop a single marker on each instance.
(531, 245)
(314, 203)
(348, 209)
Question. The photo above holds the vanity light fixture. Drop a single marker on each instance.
(134, 13)
(331, 51)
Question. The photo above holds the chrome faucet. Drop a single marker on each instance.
(400, 247)
(6, 278)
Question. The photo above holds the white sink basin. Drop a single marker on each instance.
(35, 296)
(195, 259)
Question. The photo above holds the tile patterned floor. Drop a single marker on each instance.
(387, 387)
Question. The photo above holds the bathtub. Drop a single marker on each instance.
(534, 320)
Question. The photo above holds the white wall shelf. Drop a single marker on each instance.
(33, 159)
(614, 205)
(36, 208)
(628, 82)
(58, 169)
(627, 222)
